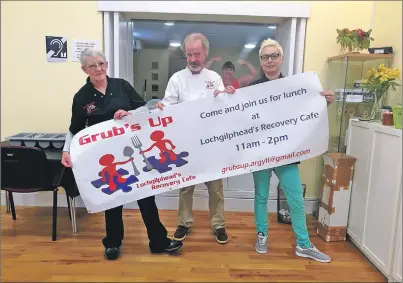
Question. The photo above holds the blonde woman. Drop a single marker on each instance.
(271, 57)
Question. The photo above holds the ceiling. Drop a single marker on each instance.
(155, 34)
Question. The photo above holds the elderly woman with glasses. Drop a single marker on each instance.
(100, 99)
(271, 57)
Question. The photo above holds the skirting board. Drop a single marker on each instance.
(163, 202)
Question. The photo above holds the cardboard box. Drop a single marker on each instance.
(335, 200)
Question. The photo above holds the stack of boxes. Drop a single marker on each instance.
(335, 200)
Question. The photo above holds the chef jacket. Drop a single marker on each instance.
(186, 86)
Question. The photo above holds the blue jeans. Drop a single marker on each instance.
(290, 182)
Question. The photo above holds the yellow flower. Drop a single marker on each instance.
(396, 73)
(372, 72)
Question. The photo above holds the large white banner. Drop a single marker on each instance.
(149, 153)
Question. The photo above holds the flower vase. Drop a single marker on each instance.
(376, 113)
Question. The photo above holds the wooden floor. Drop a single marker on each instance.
(28, 254)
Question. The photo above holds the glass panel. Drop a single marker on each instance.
(345, 78)
(158, 53)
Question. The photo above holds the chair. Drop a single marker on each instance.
(27, 170)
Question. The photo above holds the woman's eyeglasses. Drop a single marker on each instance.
(273, 57)
(94, 66)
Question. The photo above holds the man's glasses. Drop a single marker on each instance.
(273, 57)
(94, 66)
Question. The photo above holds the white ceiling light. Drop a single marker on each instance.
(169, 23)
(174, 44)
(250, 46)
(271, 27)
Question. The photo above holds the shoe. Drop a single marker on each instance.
(112, 253)
(313, 253)
(173, 247)
(181, 233)
(221, 235)
(261, 243)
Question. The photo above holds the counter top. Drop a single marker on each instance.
(377, 126)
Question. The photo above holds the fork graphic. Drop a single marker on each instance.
(137, 144)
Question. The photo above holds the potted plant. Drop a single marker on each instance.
(378, 81)
(354, 40)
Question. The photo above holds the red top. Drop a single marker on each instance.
(235, 84)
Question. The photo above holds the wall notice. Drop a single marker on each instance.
(56, 48)
(79, 45)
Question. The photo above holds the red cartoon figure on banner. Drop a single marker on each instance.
(110, 168)
(167, 156)
(112, 178)
(161, 144)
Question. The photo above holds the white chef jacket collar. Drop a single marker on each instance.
(191, 73)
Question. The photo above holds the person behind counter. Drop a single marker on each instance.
(228, 73)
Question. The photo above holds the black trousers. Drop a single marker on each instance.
(157, 234)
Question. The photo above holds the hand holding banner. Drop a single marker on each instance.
(144, 154)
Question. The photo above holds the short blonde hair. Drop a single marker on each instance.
(272, 43)
(195, 37)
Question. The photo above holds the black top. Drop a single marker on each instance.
(264, 79)
(91, 107)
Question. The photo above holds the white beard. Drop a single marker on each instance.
(195, 68)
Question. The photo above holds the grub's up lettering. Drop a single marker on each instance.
(135, 127)
(106, 135)
(161, 121)
(118, 131)
(84, 140)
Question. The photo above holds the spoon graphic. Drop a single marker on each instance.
(128, 152)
